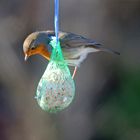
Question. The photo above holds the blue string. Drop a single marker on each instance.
(56, 20)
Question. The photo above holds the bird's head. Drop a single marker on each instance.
(36, 43)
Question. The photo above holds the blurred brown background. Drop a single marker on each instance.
(107, 102)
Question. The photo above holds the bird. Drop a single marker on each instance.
(75, 47)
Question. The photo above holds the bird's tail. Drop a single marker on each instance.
(109, 51)
(98, 47)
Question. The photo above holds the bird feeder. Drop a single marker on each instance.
(56, 88)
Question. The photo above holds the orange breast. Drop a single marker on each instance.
(42, 50)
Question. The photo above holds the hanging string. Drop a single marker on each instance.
(56, 20)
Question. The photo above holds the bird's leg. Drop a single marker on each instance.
(74, 72)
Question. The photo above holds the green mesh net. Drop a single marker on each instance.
(56, 88)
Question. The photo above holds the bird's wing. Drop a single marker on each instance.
(75, 41)
(70, 40)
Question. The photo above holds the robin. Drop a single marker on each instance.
(75, 47)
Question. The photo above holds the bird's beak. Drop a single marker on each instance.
(26, 57)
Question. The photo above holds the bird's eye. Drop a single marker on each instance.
(32, 48)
